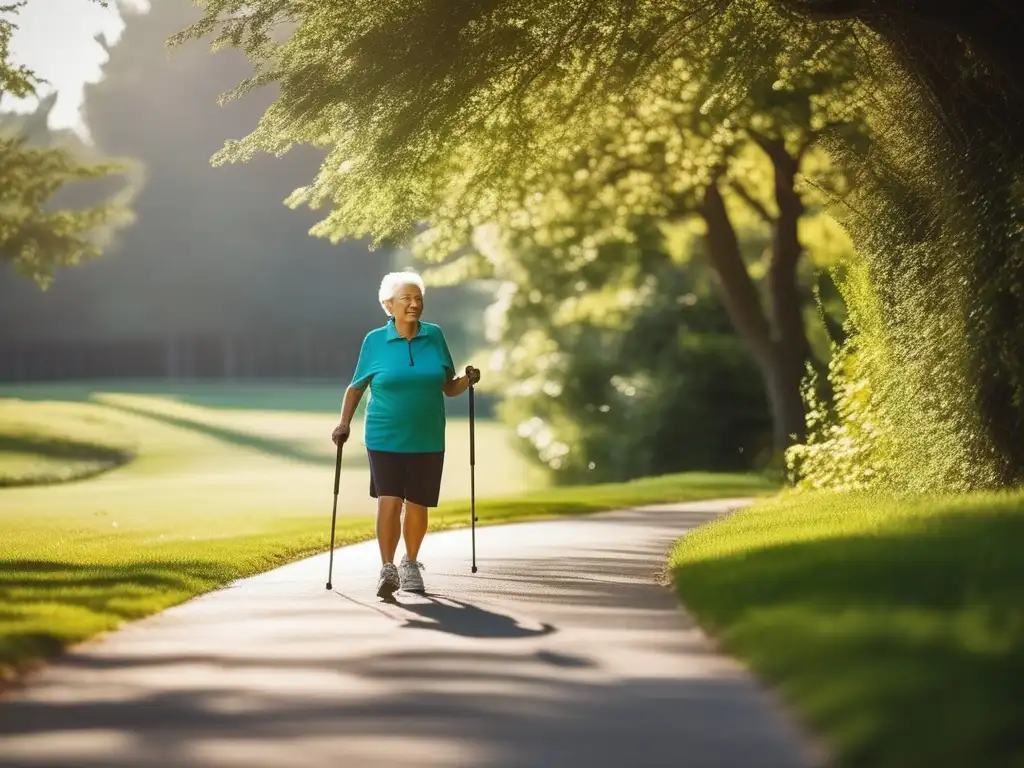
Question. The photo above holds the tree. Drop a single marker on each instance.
(403, 87)
(36, 237)
(413, 102)
(783, 121)
(777, 338)
(668, 159)
(622, 363)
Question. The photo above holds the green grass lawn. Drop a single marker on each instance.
(57, 443)
(222, 485)
(894, 628)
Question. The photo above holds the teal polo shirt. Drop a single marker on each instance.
(405, 413)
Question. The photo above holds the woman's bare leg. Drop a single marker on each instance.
(389, 527)
(414, 528)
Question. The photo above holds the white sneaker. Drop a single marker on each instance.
(389, 582)
(411, 579)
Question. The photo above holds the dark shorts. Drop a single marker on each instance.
(415, 477)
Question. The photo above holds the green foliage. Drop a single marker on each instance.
(844, 450)
(15, 79)
(887, 425)
(932, 294)
(439, 104)
(699, 407)
(624, 368)
(36, 235)
(615, 356)
(585, 229)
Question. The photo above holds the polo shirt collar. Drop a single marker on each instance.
(393, 334)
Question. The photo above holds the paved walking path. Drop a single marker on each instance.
(562, 650)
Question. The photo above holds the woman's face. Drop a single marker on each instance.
(407, 304)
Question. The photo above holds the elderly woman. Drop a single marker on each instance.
(408, 368)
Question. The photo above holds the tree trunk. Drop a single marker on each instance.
(789, 417)
(788, 329)
(742, 302)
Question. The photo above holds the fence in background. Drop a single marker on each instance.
(196, 357)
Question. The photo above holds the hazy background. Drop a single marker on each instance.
(217, 276)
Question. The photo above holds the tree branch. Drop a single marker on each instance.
(752, 201)
(812, 136)
(739, 294)
(829, 10)
(768, 144)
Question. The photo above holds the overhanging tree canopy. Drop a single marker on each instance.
(412, 100)
(415, 101)
(671, 157)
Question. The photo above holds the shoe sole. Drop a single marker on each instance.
(386, 590)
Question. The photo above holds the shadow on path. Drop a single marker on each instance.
(443, 614)
(504, 709)
(454, 617)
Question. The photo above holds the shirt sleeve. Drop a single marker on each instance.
(364, 366)
(446, 355)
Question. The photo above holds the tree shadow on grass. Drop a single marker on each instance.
(75, 460)
(905, 647)
(285, 449)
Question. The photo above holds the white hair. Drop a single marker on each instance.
(393, 282)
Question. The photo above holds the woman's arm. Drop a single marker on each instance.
(363, 374)
(349, 405)
(455, 387)
(348, 410)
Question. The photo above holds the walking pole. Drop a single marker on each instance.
(334, 513)
(472, 466)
